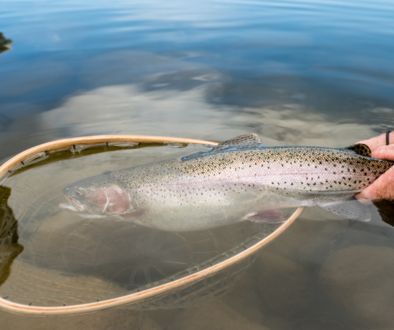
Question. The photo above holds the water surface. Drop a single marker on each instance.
(295, 72)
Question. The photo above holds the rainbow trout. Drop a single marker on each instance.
(240, 179)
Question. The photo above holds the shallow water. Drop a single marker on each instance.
(115, 255)
(295, 72)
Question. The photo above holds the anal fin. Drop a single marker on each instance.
(267, 216)
(350, 209)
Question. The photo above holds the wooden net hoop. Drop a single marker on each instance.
(135, 297)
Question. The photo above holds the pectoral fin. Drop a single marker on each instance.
(135, 214)
(351, 209)
(267, 216)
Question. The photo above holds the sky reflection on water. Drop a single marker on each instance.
(338, 46)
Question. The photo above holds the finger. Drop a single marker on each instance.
(382, 188)
(385, 152)
(378, 141)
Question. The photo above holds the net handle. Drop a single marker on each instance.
(92, 140)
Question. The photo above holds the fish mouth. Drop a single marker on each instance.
(82, 213)
(68, 207)
(74, 206)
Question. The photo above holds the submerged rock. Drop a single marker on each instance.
(246, 299)
(37, 286)
(214, 316)
(309, 241)
(318, 323)
(281, 282)
(360, 279)
(103, 320)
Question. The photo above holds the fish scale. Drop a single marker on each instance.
(241, 179)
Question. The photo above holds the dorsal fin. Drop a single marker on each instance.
(361, 149)
(239, 141)
(242, 140)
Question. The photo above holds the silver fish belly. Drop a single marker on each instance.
(239, 180)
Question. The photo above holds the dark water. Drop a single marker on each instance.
(297, 73)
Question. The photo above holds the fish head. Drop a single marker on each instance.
(91, 197)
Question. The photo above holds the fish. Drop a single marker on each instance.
(240, 179)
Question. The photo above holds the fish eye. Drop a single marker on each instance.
(79, 192)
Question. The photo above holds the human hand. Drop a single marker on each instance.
(383, 187)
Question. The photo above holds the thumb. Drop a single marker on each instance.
(382, 188)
